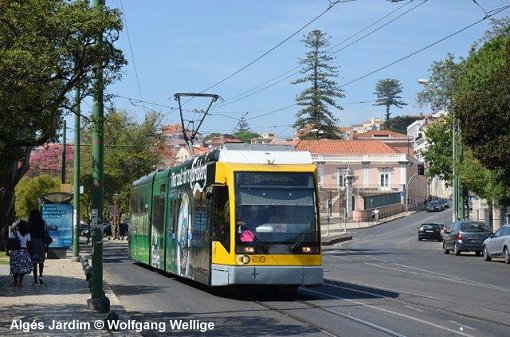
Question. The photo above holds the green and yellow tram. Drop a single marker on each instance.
(231, 217)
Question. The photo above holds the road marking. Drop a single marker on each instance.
(464, 326)
(430, 274)
(390, 312)
(441, 277)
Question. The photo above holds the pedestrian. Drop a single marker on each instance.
(37, 253)
(20, 261)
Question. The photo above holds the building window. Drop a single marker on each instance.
(385, 179)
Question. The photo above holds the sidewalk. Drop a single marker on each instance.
(57, 308)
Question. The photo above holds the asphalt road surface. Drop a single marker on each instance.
(382, 283)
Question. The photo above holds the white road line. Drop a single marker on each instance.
(392, 313)
(464, 326)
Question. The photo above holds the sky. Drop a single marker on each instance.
(247, 52)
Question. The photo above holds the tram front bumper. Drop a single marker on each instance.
(266, 275)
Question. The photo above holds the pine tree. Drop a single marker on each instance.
(242, 125)
(387, 92)
(317, 100)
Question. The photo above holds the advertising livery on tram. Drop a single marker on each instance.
(231, 217)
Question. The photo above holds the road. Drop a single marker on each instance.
(382, 283)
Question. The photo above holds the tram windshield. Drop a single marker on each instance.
(276, 208)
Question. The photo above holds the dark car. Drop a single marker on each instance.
(430, 231)
(465, 236)
(434, 206)
(444, 202)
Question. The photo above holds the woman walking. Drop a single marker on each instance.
(38, 251)
(20, 258)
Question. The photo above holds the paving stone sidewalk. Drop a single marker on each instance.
(57, 308)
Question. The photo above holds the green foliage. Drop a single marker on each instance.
(441, 84)
(48, 48)
(131, 151)
(439, 153)
(29, 189)
(387, 92)
(212, 135)
(317, 100)
(400, 123)
(242, 125)
(481, 102)
(246, 136)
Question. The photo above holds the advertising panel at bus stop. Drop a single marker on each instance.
(59, 219)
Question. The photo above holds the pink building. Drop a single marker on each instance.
(380, 177)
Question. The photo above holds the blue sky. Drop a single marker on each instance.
(188, 46)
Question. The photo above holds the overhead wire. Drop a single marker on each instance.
(293, 72)
(132, 53)
(496, 11)
(331, 5)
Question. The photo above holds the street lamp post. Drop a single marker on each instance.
(455, 179)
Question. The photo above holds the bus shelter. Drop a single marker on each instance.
(57, 211)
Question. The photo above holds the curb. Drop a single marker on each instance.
(336, 239)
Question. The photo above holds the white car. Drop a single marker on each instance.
(498, 245)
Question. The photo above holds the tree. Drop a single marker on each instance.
(481, 102)
(131, 151)
(441, 84)
(400, 123)
(243, 131)
(242, 125)
(387, 92)
(48, 160)
(319, 97)
(29, 189)
(47, 49)
(439, 153)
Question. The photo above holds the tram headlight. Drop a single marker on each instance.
(248, 249)
(306, 249)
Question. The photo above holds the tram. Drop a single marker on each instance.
(231, 217)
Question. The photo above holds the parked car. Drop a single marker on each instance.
(498, 245)
(444, 202)
(465, 236)
(434, 206)
(429, 231)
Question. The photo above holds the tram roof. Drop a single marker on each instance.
(267, 155)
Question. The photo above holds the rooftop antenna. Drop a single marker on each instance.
(190, 134)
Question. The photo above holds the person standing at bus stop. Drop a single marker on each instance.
(20, 262)
(38, 251)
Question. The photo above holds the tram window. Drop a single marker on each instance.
(220, 216)
(159, 212)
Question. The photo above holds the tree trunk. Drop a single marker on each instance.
(9, 178)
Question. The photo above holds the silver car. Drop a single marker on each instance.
(498, 245)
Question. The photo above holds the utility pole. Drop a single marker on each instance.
(64, 155)
(98, 301)
(76, 179)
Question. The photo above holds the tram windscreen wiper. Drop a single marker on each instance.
(303, 235)
(262, 247)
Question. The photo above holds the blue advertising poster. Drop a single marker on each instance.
(59, 218)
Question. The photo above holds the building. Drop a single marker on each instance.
(174, 137)
(360, 176)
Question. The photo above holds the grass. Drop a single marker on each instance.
(4, 259)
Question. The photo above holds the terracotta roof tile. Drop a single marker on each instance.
(388, 134)
(351, 147)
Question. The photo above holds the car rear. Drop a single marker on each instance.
(471, 236)
(429, 231)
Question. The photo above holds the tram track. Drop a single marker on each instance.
(329, 283)
(286, 313)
